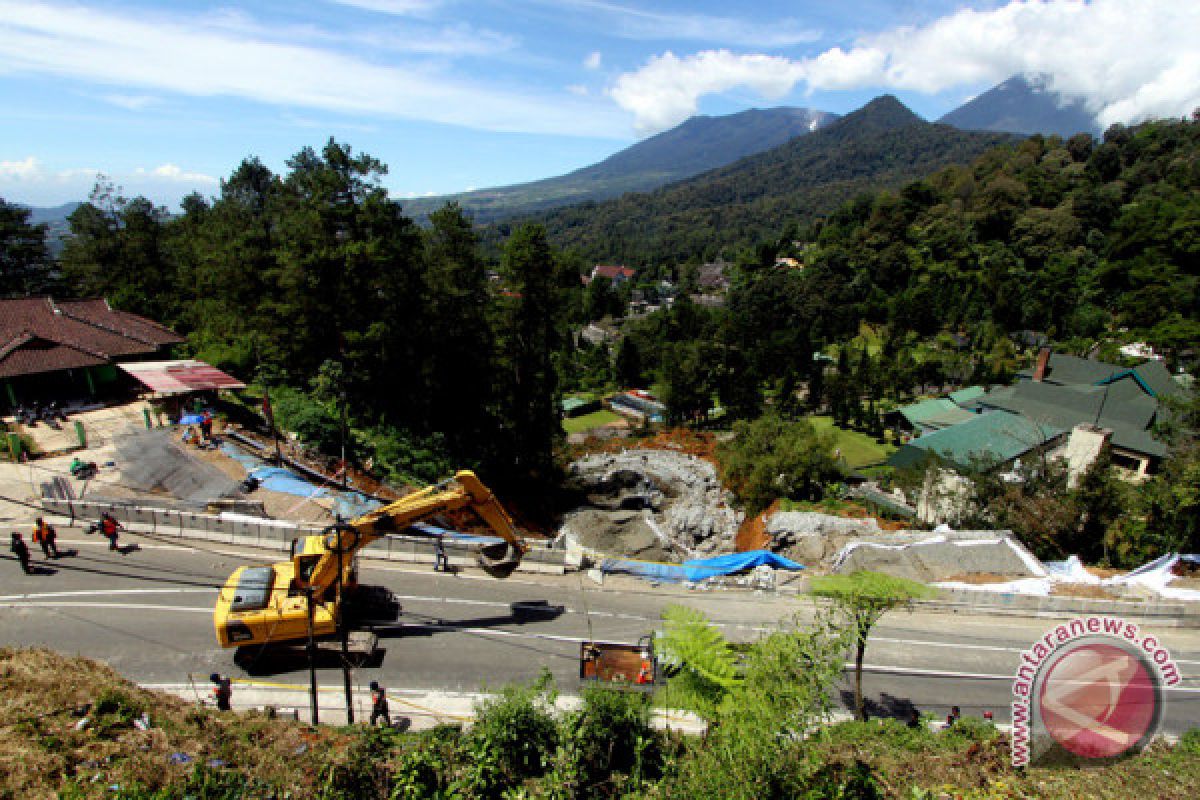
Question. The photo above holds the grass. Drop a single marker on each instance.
(858, 449)
(588, 421)
(237, 756)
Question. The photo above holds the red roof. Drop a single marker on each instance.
(180, 377)
(39, 335)
(612, 271)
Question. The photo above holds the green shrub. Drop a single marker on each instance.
(362, 773)
(608, 745)
(312, 422)
(1190, 742)
(513, 739)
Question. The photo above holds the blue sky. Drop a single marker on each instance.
(168, 97)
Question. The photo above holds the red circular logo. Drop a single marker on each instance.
(1099, 700)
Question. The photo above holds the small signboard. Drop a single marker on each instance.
(626, 666)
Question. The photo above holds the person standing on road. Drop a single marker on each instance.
(379, 705)
(46, 536)
(109, 527)
(222, 691)
(21, 551)
(440, 562)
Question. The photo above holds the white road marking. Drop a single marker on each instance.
(86, 592)
(143, 606)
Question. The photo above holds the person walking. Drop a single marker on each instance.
(21, 551)
(440, 562)
(109, 527)
(222, 691)
(45, 535)
(954, 716)
(379, 705)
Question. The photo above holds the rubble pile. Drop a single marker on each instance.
(650, 504)
(814, 538)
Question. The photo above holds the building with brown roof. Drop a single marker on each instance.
(59, 349)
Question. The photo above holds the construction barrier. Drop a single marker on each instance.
(236, 529)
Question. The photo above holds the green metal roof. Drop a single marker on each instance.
(940, 412)
(573, 403)
(994, 437)
(967, 395)
(1122, 407)
(1065, 370)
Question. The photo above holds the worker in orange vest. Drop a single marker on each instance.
(379, 704)
(46, 536)
(109, 527)
(646, 673)
(222, 691)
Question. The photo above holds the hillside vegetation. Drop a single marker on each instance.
(515, 749)
(882, 144)
(699, 144)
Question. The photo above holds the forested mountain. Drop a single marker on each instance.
(701, 143)
(881, 144)
(1022, 105)
(55, 220)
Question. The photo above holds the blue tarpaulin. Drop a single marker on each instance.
(352, 505)
(701, 568)
(278, 479)
(191, 419)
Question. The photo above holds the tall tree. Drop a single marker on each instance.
(531, 334)
(117, 250)
(461, 392)
(24, 265)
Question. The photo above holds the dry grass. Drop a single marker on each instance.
(1082, 590)
(976, 765)
(978, 578)
(41, 752)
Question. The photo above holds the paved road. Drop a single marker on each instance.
(148, 614)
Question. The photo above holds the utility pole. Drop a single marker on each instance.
(270, 415)
(345, 466)
(343, 630)
(312, 658)
(268, 410)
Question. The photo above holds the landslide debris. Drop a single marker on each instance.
(651, 505)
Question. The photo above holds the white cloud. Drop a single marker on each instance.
(173, 172)
(667, 89)
(402, 8)
(592, 61)
(19, 170)
(639, 23)
(191, 57)
(1128, 60)
(131, 102)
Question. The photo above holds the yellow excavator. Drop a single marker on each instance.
(310, 594)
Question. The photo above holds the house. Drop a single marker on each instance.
(65, 349)
(617, 274)
(992, 440)
(578, 406)
(639, 405)
(927, 416)
(713, 277)
(1066, 391)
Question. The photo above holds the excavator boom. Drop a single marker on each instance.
(270, 604)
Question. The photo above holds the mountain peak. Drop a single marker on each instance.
(1023, 104)
(884, 113)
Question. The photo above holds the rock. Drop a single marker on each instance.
(678, 497)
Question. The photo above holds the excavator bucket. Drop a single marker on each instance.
(500, 559)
